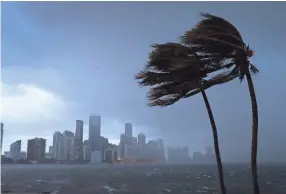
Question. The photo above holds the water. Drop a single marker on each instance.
(112, 179)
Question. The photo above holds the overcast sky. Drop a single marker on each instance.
(65, 61)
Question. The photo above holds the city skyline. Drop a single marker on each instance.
(68, 146)
(119, 128)
(72, 59)
(127, 128)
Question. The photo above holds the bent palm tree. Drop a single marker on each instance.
(175, 72)
(220, 40)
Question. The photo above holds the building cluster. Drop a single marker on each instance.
(69, 146)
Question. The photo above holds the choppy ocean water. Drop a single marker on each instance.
(112, 179)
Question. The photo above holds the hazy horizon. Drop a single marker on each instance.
(63, 61)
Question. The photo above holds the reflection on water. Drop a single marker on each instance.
(177, 179)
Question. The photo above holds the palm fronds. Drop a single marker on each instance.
(180, 70)
(175, 71)
(216, 38)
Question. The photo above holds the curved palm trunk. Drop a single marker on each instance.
(216, 144)
(254, 134)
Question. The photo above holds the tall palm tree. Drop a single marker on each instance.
(220, 40)
(175, 72)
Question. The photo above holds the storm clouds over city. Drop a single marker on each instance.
(72, 60)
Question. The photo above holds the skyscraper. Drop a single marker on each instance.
(15, 150)
(125, 141)
(68, 138)
(128, 129)
(78, 141)
(94, 133)
(57, 146)
(36, 149)
(141, 141)
(2, 133)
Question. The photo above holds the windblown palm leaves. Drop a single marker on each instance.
(219, 40)
(176, 72)
(181, 70)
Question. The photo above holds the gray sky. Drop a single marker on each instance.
(65, 61)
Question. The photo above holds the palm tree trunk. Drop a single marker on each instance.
(254, 134)
(216, 143)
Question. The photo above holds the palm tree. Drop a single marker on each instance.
(220, 40)
(176, 71)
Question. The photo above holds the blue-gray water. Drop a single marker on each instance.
(177, 179)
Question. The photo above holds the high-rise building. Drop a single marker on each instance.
(68, 138)
(36, 149)
(78, 141)
(125, 141)
(94, 133)
(128, 129)
(86, 150)
(2, 133)
(15, 150)
(141, 141)
(58, 146)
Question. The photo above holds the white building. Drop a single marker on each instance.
(96, 157)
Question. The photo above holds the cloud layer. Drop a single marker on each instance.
(28, 103)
